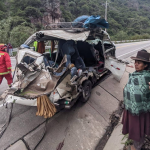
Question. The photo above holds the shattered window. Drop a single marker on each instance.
(95, 42)
(28, 59)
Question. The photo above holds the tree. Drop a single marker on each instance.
(52, 6)
(9, 26)
(2, 10)
(121, 35)
(19, 34)
(26, 8)
(32, 12)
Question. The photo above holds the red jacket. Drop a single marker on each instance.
(5, 63)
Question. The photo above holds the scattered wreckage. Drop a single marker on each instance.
(79, 57)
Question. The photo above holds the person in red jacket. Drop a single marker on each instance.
(5, 65)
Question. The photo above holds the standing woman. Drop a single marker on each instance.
(136, 115)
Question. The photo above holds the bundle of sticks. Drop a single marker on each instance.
(45, 107)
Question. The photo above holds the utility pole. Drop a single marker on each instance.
(106, 11)
(106, 6)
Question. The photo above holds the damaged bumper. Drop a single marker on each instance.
(20, 100)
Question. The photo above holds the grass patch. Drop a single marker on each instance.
(14, 53)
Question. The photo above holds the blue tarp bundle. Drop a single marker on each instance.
(78, 21)
(92, 21)
(95, 21)
(81, 19)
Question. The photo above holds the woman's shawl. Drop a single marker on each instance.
(137, 92)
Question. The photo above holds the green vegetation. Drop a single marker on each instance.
(15, 20)
(126, 140)
(128, 19)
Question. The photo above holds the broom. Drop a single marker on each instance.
(45, 107)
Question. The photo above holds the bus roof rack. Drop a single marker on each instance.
(66, 26)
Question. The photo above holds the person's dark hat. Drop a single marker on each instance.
(2, 47)
(143, 50)
(142, 56)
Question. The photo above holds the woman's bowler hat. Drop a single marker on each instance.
(142, 56)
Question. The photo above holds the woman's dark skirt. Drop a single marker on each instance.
(136, 126)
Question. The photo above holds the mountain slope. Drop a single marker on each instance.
(128, 19)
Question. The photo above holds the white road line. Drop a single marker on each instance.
(1, 105)
(133, 51)
(8, 102)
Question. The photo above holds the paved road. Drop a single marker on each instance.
(24, 120)
(127, 49)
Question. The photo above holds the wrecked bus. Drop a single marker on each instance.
(78, 58)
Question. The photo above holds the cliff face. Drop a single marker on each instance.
(51, 13)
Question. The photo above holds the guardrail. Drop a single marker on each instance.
(127, 41)
(15, 50)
